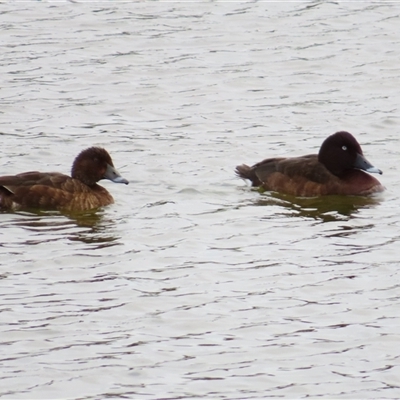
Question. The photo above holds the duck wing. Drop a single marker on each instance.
(296, 168)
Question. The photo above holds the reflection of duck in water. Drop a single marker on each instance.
(325, 208)
(56, 191)
(338, 169)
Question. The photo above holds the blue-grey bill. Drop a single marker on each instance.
(362, 163)
(113, 175)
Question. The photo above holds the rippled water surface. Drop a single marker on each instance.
(192, 285)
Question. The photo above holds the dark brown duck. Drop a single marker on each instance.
(338, 169)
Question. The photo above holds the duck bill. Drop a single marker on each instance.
(113, 175)
(362, 163)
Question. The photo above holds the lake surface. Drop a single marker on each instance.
(192, 285)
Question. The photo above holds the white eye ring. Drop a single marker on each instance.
(344, 148)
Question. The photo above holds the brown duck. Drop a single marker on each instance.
(338, 169)
(56, 191)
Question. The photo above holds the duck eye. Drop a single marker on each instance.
(344, 148)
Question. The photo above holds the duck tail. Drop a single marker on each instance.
(245, 172)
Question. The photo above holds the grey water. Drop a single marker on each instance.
(192, 285)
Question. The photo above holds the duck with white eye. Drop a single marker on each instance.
(339, 168)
